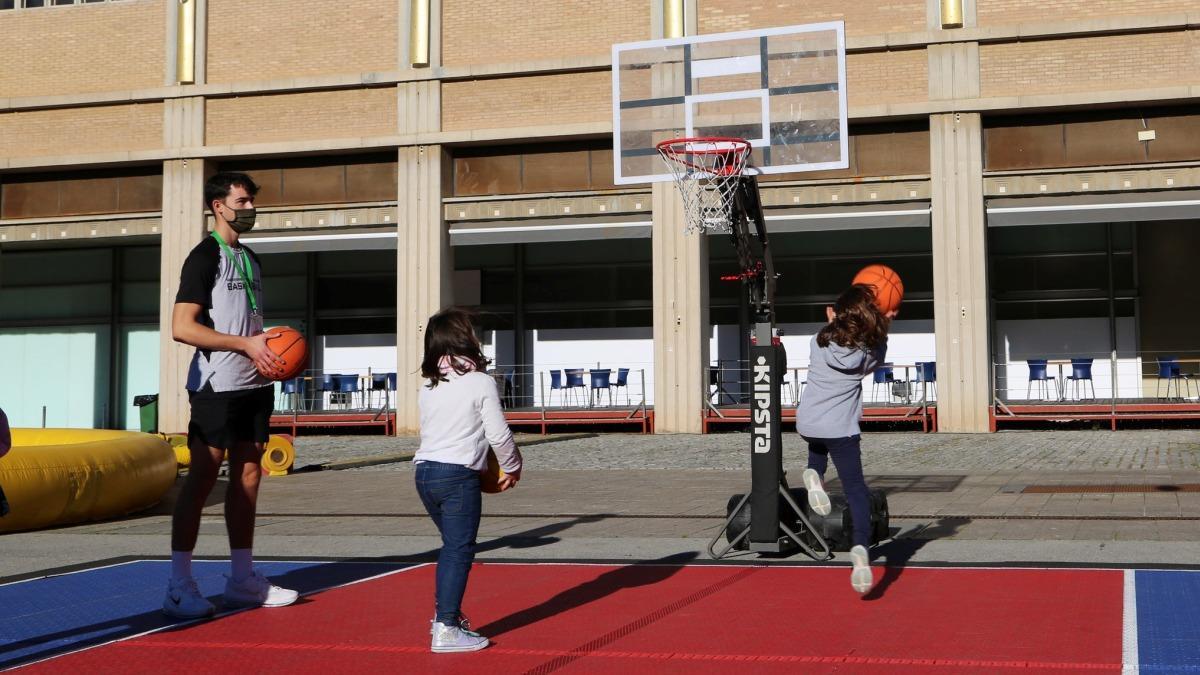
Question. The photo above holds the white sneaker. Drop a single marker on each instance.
(184, 600)
(256, 591)
(455, 639)
(818, 499)
(861, 577)
(463, 622)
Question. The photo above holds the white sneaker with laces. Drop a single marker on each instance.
(455, 639)
(861, 577)
(818, 498)
(256, 591)
(463, 622)
(184, 600)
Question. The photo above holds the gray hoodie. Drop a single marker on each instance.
(832, 401)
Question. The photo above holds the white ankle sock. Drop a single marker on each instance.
(181, 565)
(241, 563)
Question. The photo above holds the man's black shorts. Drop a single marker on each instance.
(221, 418)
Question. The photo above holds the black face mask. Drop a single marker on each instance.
(243, 220)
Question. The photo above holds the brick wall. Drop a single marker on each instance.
(527, 101)
(1090, 64)
(887, 77)
(77, 131)
(313, 115)
(82, 49)
(1000, 12)
(862, 18)
(273, 39)
(529, 30)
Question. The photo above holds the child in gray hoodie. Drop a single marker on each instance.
(850, 347)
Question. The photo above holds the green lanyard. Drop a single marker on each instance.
(245, 270)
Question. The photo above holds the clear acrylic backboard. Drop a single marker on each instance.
(782, 89)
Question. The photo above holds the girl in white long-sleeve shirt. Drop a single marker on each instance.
(461, 418)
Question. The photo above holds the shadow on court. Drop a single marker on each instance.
(645, 573)
(898, 552)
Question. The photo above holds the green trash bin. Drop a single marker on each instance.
(148, 405)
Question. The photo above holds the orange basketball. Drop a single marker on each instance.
(889, 290)
(489, 479)
(290, 346)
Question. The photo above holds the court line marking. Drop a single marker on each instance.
(658, 656)
(55, 575)
(1130, 665)
(218, 615)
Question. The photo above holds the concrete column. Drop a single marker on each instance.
(424, 269)
(960, 292)
(182, 228)
(183, 123)
(953, 71)
(680, 264)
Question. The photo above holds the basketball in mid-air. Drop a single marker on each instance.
(290, 346)
(889, 290)
(489, 479)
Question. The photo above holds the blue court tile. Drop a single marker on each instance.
(1168, 615)
(43, 617)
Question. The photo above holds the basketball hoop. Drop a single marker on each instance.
(706, 170)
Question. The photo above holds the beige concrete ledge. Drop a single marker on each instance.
(1092, 180)
(864, 43)
(14, 232)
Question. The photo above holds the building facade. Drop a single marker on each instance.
(1032, 173)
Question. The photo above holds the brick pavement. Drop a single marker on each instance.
(1037, 451)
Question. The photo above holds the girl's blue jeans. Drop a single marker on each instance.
(450, 493)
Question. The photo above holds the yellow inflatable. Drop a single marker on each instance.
(63, 476)
(278, 457)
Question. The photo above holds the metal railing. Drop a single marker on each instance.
(1095, 381)
(349, 390)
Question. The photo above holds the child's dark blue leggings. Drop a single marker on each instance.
(847, 458)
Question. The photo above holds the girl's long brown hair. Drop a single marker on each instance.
(857, 322)
(451, 332)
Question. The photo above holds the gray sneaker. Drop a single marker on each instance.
(818, 499)
(861, 577)
(455, 639)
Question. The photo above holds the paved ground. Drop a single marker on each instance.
(897, 452)
(954, 498)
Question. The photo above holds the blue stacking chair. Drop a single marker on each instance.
(1038, 373)
(601, 380)
(347, 386)
(383, 382)
(327, 385)
(293, 391)
(621, 381)
(575, 381)
(1081, 371)
(927, 376)
(1168, 369)
(884, 375)
(556, 384)
(510, 386)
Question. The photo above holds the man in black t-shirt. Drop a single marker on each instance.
(218, 310)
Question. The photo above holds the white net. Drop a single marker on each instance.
(706, 171)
